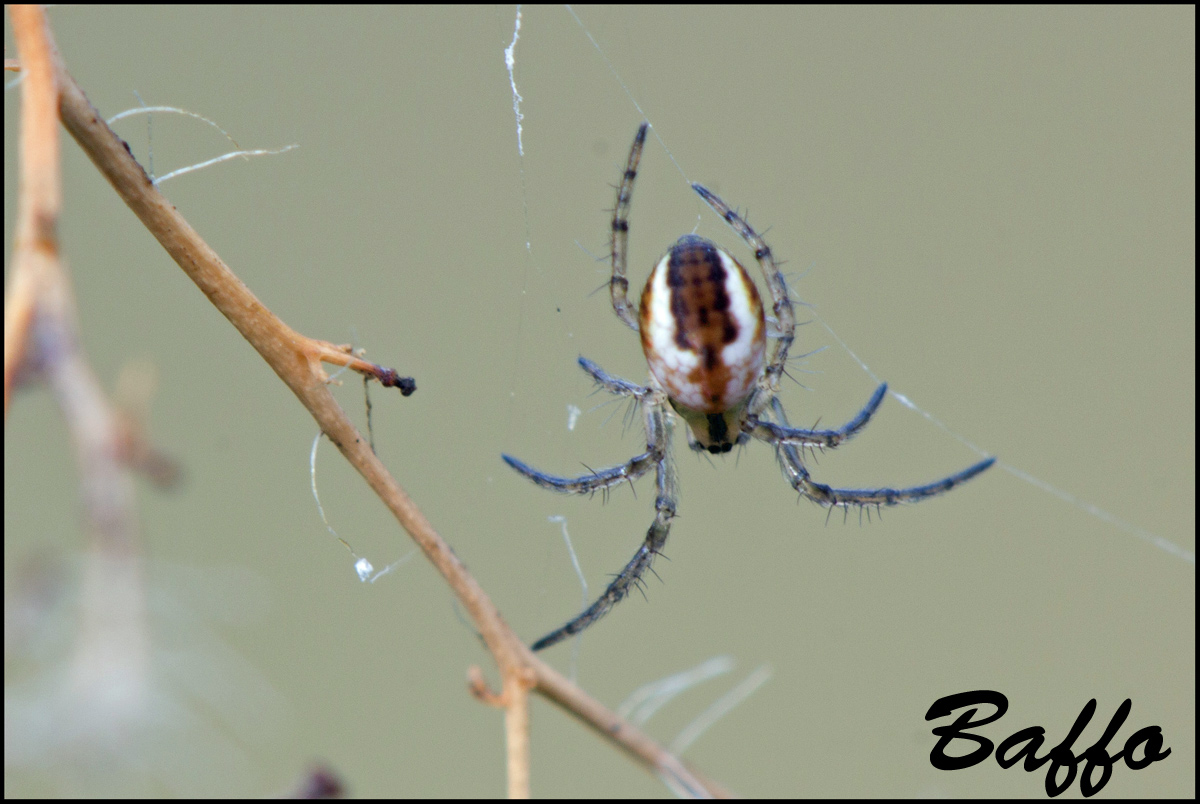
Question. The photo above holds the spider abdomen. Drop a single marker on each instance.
(702, 328)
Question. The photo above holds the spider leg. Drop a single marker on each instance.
(782, 434)
(821, 494)
(785, 317)
(614, 385)
(631, 470)
(658, 434)
(628, 578)
(797, 475)
(619, 284)
(604, 479)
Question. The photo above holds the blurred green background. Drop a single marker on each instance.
(993, 207)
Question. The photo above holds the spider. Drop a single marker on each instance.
(705, 335)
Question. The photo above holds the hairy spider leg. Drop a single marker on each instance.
(797, 475)
(619, 284)
(658, 428)
(778, 434)
(658, 454)
(785, 317)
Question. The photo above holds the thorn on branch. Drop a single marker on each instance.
(480, 689)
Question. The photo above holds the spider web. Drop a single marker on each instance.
(921, 172)
(917, 306)
(897, 388)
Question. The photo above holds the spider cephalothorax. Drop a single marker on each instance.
(704, 334)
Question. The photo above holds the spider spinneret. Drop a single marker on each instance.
(704, 335)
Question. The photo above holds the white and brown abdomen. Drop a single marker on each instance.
(704, 337)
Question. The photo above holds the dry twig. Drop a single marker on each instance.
(297, 359)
